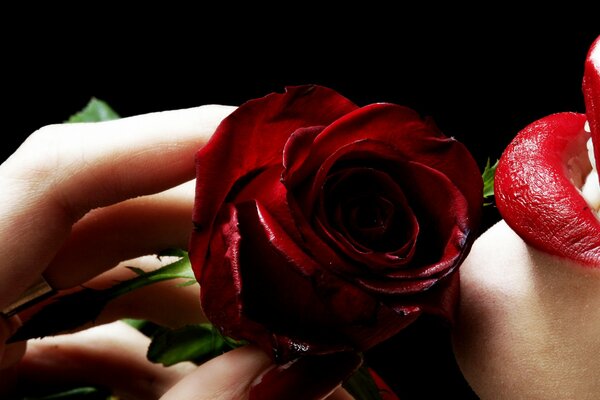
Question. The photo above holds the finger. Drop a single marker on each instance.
(9, 355)
(306, 378)
(165, 303)
(226, 377)
(63, 171)
(135, 227)
(245, 374)
(340, 394)
(112, 356)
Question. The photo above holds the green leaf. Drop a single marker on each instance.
(173, 252)
(188, 283)
(195, 343)
(488, 179)
(95, 111)
(146, 327)
(135, 323)
(362, 386)
(71, 311)
(233, 343)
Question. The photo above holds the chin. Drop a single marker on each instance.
(529, 322)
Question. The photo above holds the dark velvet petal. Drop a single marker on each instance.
(445, 240)
(414, 138)
(286, 291)
(396, 287)
(439, 299)
(443, 215)
(221, 283)
(304, 196)
(442, 299)
(251, 138)
(285, 269)
(319, 249)
(363, 123)
(298, 146)
(266, 188)
(389, 247)
(387, 323)
(224, 296)
(444, 220)
(307, 309)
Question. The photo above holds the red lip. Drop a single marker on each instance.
(539, 174)
(591, 93)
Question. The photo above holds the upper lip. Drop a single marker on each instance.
(538, 174)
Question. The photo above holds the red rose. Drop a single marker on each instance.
(321, 226)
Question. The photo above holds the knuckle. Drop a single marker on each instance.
(43, 137)
(38, 157)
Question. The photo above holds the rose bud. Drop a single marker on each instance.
(529, 320)
(322, 227)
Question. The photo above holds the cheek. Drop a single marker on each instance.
(529, 323)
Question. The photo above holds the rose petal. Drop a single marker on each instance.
(223, 296)
(221, 283)
(371, 154)
(316, 246)
(298, 146)
(444, 220)
(387, 324)
(314, 307)
(443, 239)
(287, 292)
(442, 213)
(266, 188)
(249, 139)
(440, 299)
(303, 197)
(416, 140)
(284, 264)
(399, 251)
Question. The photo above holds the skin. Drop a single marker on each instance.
(77, 200)
(529, 322)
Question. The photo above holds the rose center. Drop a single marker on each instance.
(369, 216)
(368, 208)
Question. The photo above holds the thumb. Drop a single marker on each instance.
(226, 377)
(247, 373)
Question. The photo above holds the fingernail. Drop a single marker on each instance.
(307, 378)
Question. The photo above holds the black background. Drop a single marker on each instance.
(481, 83)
